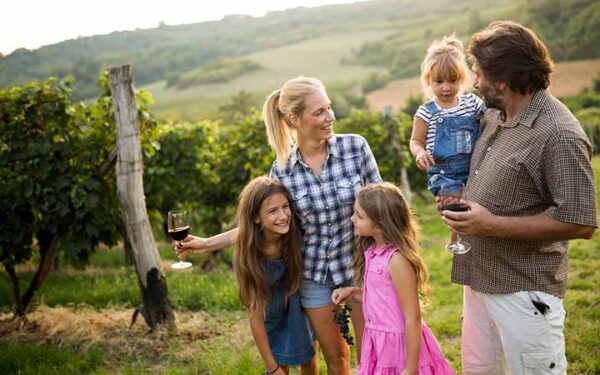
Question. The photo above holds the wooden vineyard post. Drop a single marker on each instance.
(155, 308)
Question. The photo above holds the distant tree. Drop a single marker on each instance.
(241, 106)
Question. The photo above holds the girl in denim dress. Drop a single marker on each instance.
(393, 276)
(446, 127)
(268, 268)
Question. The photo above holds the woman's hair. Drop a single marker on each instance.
(445, 60)
(279, 105)
(387, 208)
(250, 243)
(508, 52)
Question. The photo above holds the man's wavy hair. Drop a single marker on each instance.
(508, 52)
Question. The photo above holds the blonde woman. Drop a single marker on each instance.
(323, 173)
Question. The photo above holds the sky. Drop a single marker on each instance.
(34, 23)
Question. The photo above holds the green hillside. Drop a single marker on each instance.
(341, 44)
(318, 57)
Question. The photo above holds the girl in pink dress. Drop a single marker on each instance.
(393, 275)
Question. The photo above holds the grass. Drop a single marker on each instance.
(80, 323)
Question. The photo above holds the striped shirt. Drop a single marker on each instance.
(536, 162)
(468, 105)
(325, 203)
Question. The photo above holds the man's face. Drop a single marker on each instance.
(492, 96)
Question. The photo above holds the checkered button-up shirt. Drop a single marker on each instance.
(537, 162)
(325, 203)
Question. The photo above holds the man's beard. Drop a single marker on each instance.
(492, 99)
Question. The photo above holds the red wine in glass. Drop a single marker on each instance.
(179, 234)
(451, 196)
(179, 227)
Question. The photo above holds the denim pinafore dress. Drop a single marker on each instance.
(455, 138)
(287, 328)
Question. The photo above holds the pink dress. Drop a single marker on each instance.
(383, 348)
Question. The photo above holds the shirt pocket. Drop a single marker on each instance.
(303, 205)
(347, 189)
(376, 272)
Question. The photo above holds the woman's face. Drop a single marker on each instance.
(316, 122)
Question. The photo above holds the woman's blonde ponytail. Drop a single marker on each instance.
(278, 132)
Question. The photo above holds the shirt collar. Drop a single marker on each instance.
(530, 111)
(332, 149)
(373, 250)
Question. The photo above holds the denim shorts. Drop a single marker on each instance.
(314, 295)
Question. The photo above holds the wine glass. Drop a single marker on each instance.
(179, 227)
(451, 195)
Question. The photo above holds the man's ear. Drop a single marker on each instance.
(501, 86)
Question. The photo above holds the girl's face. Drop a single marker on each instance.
(445, 90)
(363, 225)
(275, 215)
(316, 122)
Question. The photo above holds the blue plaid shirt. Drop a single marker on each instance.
(325, 203)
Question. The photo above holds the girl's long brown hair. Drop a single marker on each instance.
(253, 290)
(387, 208)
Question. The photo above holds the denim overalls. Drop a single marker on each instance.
(455, 138)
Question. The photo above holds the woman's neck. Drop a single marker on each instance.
(310, 148)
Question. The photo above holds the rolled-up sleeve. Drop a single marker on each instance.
(570, 179)
(369, 168)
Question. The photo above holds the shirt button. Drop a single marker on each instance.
(329, 224)
(330, 240)
(326, 207)
(440, 120)
(489, 148)
(476, 172)
(552, 365)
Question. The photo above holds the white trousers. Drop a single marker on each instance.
(507, 334)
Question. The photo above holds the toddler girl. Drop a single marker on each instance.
(446, 127)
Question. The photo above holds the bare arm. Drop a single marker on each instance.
(257, 326)
(193, 244)
(479, 221)
(351, 294)
(405, 282)
(417, 144)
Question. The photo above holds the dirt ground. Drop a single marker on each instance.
(110, 329)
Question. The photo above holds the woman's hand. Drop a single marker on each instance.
(190, 244)
(424, 160)
(340, 295)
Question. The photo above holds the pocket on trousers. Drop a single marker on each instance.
(542, 363)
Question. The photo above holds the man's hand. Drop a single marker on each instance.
(477, 221)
